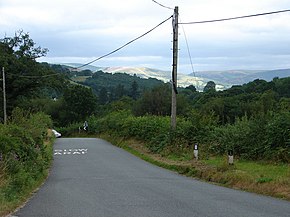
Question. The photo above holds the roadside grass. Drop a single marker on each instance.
(258, 170)
(260, 177)
(15, 200)
(3, 183)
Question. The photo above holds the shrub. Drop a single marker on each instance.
(277, 138)
(23, 150)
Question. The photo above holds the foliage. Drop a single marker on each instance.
(24, 152)
(210, 86)
(266, 138)
(26, 79)
(78, 103)
(255, 124)
(156, 101)
(252, 119)
(118, 85)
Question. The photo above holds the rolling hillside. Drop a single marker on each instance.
(223, 79)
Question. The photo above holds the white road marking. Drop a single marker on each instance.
(71, 151)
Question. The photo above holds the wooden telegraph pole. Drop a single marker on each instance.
(4, 96)
(174, 68)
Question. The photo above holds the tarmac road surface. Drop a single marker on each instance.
(92, 178)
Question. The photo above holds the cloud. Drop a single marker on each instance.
(76, 30)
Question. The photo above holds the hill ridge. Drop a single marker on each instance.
(223, 78)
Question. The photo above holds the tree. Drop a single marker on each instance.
(155, 102)
(283, 86)
(85, 72)
(259, 86)
(119, 92)
(103, 96)
(210, 86)
(191, 88)
(26, 79)
(134, 90)
(79, 103)
(23, 46)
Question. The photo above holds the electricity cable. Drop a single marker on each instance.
(190, 58)
(163, 5)
(114, 51)
(235, 18)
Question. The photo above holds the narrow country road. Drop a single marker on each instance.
(92, 178)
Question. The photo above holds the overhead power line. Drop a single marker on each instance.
(190, 58)
(235, 18)
(163, 5)
(114, 51)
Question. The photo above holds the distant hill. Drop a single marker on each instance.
(89, 67)
(238, 77)
(183, 80)
(270, 74)
(223, 79)
(146, 73)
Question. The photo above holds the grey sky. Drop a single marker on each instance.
(80, 31)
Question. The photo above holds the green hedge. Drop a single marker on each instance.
(23, 151)
(265, 137)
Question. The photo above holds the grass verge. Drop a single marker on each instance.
(263, 178)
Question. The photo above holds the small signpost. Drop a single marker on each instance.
(195, 152)
(231, 157)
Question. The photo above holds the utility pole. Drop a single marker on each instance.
(4, 96)
(174, 68)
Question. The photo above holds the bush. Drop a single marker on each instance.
(23, 150)
(71, 129)
(277, 138)
(263, 138)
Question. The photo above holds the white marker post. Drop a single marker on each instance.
(231, 157)
(195, 152)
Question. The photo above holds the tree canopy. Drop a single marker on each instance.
(25, 78)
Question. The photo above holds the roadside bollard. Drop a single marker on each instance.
(195, 152)
(231, 157)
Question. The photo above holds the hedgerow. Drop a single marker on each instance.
(24, 155)
(266, 137)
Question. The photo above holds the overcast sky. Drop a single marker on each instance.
(81, 30)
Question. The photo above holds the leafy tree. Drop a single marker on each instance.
(277, 137)
(119, 92)
(191, 88)
(120, 84)
(23, 46)
(183, 105)
(155, 102)
(210, 86)
(268, 101)
(25, 78)
(134, 90)
(86, 72)
(79, 103)
(103, 96)
(282, 86)
(258, 86)
(125, 103)
(284, 104)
